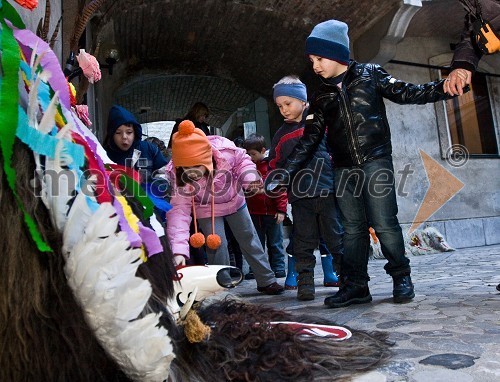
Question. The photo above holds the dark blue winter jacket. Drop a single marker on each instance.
(150, 159)
(317, 177)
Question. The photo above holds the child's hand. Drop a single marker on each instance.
(179, 260)
(276, 184)
(280, 216)
(255, 188)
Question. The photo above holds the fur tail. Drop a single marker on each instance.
(242, 347)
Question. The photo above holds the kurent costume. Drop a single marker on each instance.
(88, 290)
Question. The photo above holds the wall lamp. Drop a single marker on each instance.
(112, 57)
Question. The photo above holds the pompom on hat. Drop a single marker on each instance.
(191, 147)
(329, 39)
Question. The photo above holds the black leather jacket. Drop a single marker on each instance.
(355, 115)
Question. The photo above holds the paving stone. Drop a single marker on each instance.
(433, 333)
(399, 368)
(456, 312)
(373, 376)
(411, 353)
(441, 376)
(394, 324)
(398, 336)
(450, 361)
(447, 345)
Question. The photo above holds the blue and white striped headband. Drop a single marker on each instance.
(290, 90)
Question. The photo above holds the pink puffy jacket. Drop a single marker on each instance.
(234, 171)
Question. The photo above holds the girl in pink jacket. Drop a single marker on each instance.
(209, 175)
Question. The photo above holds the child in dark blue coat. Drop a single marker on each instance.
(124, 146)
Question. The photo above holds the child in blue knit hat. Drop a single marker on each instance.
(312, 195)
(349, 109)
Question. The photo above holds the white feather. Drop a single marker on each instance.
(32, 111)
(101, 270)
(48, 119)
(78, 218)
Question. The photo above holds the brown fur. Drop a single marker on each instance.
(239, 350)
(43, 333)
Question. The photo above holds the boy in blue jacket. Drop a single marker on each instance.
(312, 195)
(124, 144)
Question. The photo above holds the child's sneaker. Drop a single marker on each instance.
(349, 294)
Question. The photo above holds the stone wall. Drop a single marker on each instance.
(472, 216)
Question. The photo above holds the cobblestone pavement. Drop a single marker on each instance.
(450, 332)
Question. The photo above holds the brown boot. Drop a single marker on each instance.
(305, 286)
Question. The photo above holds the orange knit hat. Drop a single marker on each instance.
(191, 147)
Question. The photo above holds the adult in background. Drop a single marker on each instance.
(467, 53)
(198, 114)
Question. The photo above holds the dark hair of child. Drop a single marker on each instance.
(254, 142)
(181, 180)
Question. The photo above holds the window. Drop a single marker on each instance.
(470, 119)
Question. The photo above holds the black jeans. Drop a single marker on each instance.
(367, 197)
(314, 218)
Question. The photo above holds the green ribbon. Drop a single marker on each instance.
(138, 194)
(7, 11)
(9, 97)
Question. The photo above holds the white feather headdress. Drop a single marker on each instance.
(101, 264)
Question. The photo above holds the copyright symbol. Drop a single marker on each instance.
(457, 155)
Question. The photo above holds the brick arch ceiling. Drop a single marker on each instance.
(164, 97)
(252, 43)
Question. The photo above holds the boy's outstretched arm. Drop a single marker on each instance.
(406, 93)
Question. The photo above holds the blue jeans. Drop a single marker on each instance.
(367, 197)
(315, 218)
(272, 233)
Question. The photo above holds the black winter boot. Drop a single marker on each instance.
(349, 294)
(403, 289)
(305, 286)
